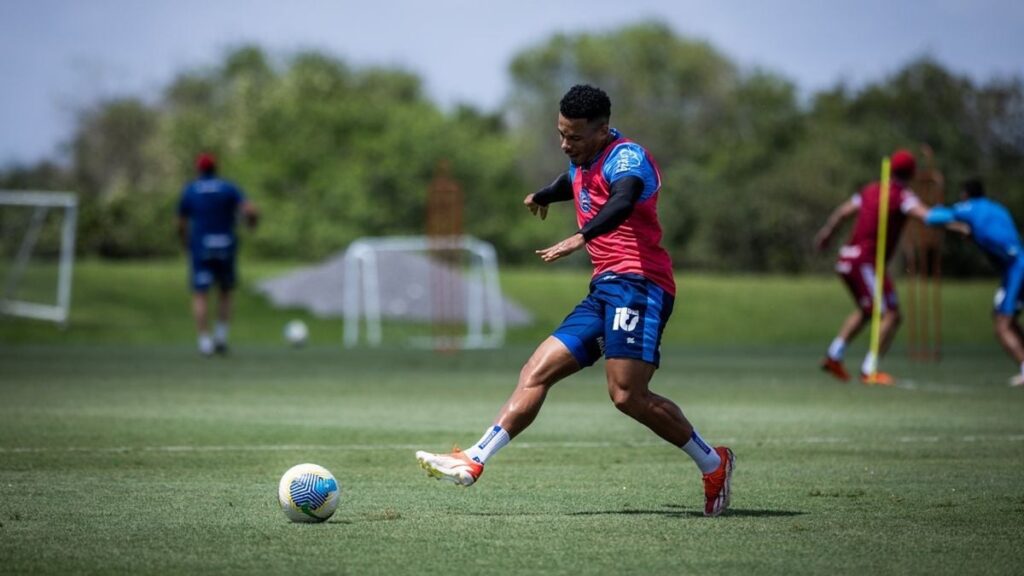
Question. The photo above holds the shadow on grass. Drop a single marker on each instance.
(670, 511)
(677, 511)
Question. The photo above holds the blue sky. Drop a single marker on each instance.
(60, 55)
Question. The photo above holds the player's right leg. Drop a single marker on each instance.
(1006, 308)
(833, 362)
(550, 362)
(200, 280)
(1008, 334)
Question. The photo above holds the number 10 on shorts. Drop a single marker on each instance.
(625, 319)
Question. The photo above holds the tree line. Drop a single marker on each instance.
(332, 152)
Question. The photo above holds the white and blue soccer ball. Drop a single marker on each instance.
(296, 333)
(308, 493)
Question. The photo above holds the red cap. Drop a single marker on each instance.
(205, 162)
(902, 161)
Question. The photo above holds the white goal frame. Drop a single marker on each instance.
(43, 202)
(485, 318)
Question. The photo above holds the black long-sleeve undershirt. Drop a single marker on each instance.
(622, 197)
(558, 191)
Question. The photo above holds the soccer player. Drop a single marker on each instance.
(856, 264)
(614, 183)
(207, 212)
(993, 230)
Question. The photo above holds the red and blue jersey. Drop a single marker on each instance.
(635, 246)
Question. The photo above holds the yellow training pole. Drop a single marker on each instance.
(883, 221)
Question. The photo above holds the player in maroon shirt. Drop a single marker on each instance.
(856, 263)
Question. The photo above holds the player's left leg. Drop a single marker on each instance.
(222, 327)
(889, 323)
(636, 313)
(628, 386)
(224, 272)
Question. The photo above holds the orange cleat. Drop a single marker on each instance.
(717, 484)
(454, 467)
(835, 368)
(877, 379)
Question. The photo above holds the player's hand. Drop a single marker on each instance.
(959, 227)
(821, 239)
(562, 249)
(535, 209)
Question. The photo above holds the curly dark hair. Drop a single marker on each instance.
(586, 101)
(973, 187)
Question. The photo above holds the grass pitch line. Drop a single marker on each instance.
(526, 445)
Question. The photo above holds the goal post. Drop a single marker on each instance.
(36, 206)
(458, 275)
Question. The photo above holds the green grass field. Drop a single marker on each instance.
(123, 451)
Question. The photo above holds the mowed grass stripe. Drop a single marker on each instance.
(519, 445)
(831, 478)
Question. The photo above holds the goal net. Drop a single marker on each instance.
(449, 284)
(37, 252)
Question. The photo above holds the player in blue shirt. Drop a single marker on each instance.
(994, 231)
(207, 212)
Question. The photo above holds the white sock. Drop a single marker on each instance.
(706, 458)
(836, 349)
(220, 332)
(870, 365)
(205, 343)
(494, 439)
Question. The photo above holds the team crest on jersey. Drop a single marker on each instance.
(584, 200)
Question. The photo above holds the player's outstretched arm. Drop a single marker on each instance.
(623, 196)
(940, 215)
(837, 217)
(563, 248)
(558, 191)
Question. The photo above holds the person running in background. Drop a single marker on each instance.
(207, 212)
(856, 264)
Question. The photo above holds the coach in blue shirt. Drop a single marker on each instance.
(207, 212)
(994, 231)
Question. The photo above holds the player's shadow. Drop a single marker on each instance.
(678, 511)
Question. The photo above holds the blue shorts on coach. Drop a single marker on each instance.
(622, 317)
(206, 271)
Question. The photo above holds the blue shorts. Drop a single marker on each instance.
(207, 271)
(622, 317)
(1008, 297)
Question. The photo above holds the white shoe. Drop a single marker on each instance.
(206, 346)
(1017, 381)
(455, 467)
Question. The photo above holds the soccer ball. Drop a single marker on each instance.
(308, 493)
(296, 332)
